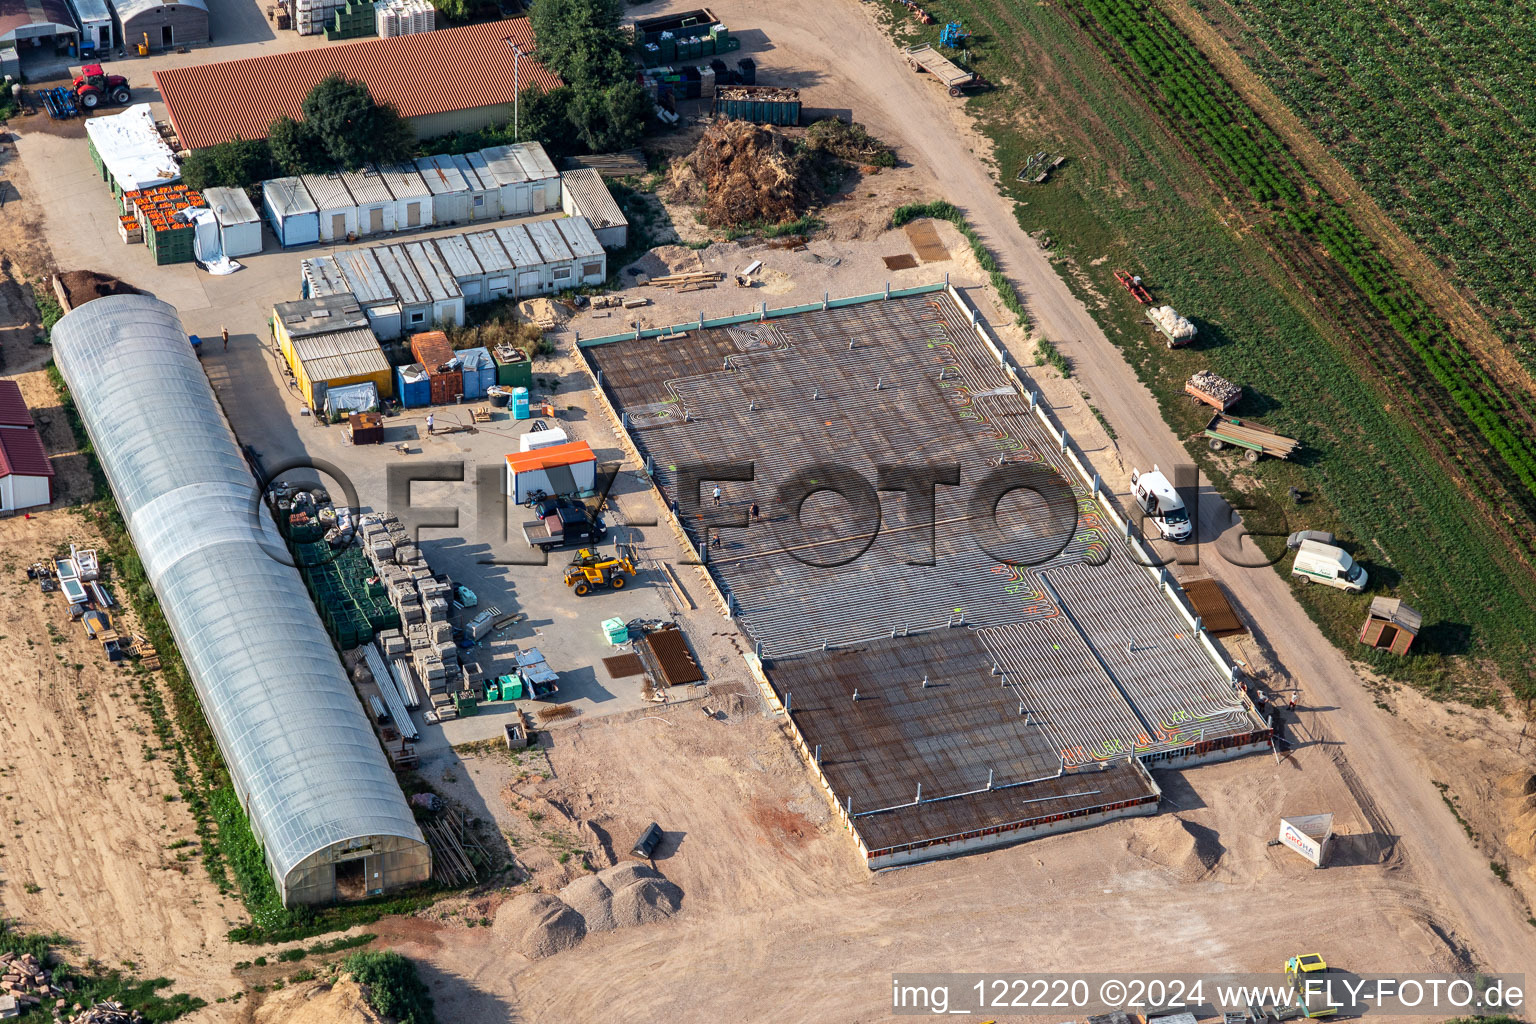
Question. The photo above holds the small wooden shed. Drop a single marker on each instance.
(1391, 625)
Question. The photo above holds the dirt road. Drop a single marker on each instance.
(820, 47)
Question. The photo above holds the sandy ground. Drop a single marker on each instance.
(777, 912)
(93, 814)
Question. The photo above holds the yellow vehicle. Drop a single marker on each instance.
(591, 571)
(1296, 970)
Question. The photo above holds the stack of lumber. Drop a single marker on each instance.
(689, 281)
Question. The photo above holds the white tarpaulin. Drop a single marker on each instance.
(207, 242)
(131, 147)
(1307, 834)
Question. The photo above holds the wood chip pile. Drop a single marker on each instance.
(745, 174)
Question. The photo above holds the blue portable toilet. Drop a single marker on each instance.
(520, 404)
(413, 386)
(479, 371)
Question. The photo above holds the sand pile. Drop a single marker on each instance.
(1188, 851)
(593, 900)
(538, 925)
(623, 896)
(744, 174)
(318, 1003)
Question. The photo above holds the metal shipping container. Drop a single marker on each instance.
(479, 371)
(760, 104)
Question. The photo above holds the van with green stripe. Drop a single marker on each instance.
(1328, 563)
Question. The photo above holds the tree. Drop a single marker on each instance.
(238, 163)
(352, 128)
(294, 148)
(579, 39)
(611, 118)
(452, 10)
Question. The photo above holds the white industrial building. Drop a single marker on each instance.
(526, 176)
(584, 193)
(449, 188)
(239, 223)
(413, 200)
(292, 213)
(337, 208)
(470, 188)
(375, 203)
(409, 286)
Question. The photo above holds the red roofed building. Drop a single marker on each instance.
(26, 475)
(453, 79)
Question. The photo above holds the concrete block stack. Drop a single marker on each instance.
(424, 641)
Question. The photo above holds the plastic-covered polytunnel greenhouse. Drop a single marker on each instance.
(306, 765)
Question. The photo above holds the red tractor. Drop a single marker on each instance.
(94, 86)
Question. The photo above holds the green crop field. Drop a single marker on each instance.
(1431, 105)
(1423, 468)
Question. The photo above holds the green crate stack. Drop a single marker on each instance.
(170, 245)
(352, 22)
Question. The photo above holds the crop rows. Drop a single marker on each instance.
(1432, 106)
(1201, 106)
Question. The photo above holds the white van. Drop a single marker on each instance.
(1162, 504)
(1330, 564)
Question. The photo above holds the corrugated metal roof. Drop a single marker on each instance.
(504, 166)
(421, 74)
(433, 271)
(13, 408)
(324, 276)
(304, 759)
(329, 191)
(405, 284)
(550, 242)
(459, 257)
(288, 196)
(232, 205)
(127, 9)
(22, 453)
(591, 198)
(489, 251)
(365, 276)
(1394, 611)
(340, 354)
(440, 174)
(404, 181)
(579, 236)
(320, 314)
(20, 14)
(482, 171)
(367, 186)
(514, 238)
(535, 161)
(92, 10)
(471, 176)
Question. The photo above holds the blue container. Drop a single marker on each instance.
(413, 386)
(479, 371)
(520, 409)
